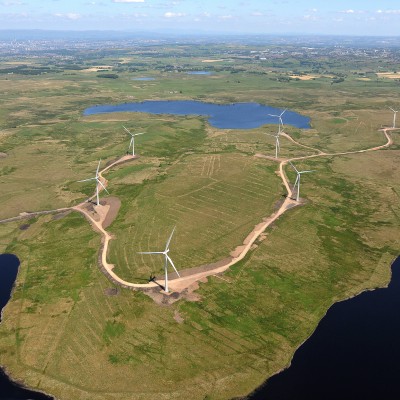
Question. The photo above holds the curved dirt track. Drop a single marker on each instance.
(97, 223)
(181, 284)
(99, 215)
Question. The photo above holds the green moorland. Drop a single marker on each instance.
(64, 333)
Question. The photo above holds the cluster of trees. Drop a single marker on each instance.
(27, 70)
(110, 76)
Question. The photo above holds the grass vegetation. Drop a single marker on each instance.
(64, 333)
(216, 199)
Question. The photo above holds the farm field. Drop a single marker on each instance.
(71, 332)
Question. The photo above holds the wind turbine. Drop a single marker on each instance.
(297, 182)
(394, 116)
(280, 119)
(98, 182)
(277, 146)
(132, 142)
(167, 259)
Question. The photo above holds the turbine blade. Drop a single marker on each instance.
(169, 239)
(127, 130)
(304, 172)
(101, 183)
(293, 167)
(295, 182)
(173, 266)
(273, 115)
(86, 180)
(98, 167)
(392, 109)
(150, 252)
(283, 112)
(140, 133)
(277, 142)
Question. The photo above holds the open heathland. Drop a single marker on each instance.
(71, 332)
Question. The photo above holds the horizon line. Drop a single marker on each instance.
(198, 33)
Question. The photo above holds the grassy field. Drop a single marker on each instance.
(214, 198)
(242, 330)
(67, 333)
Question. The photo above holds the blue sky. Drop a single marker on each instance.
(380, 17)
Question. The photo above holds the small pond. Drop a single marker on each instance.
(144, 78)
(199, 73)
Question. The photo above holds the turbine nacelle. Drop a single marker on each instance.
(298, 177)
(98, 182)
(394, 116)
(132, 142)
(280, 119)
(167, 259)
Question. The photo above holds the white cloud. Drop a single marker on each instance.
(352, 12)
(388, 11)
(225, 17)
(129, 16)
(170, 14)
(257, 14)
(310, 17)
(71, 16)
(128, 1)
(12, 3)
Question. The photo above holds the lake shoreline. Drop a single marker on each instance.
(238, 115)
(5, 375)
(21, 385)
(259, 389)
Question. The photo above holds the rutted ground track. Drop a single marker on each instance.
(210, 164)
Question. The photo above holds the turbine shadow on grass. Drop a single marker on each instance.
(142, 279)
(153, 278)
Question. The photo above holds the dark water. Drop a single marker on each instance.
(8, 272)
(353, 354)
(223, 116)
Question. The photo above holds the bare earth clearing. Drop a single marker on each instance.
(103, 215)
(390, 75)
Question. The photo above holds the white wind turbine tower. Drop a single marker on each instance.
(277, 146)
(132, 142)
(167, 259)
(280, 119)
(394, 116)
(98, 182)
(297, 182)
